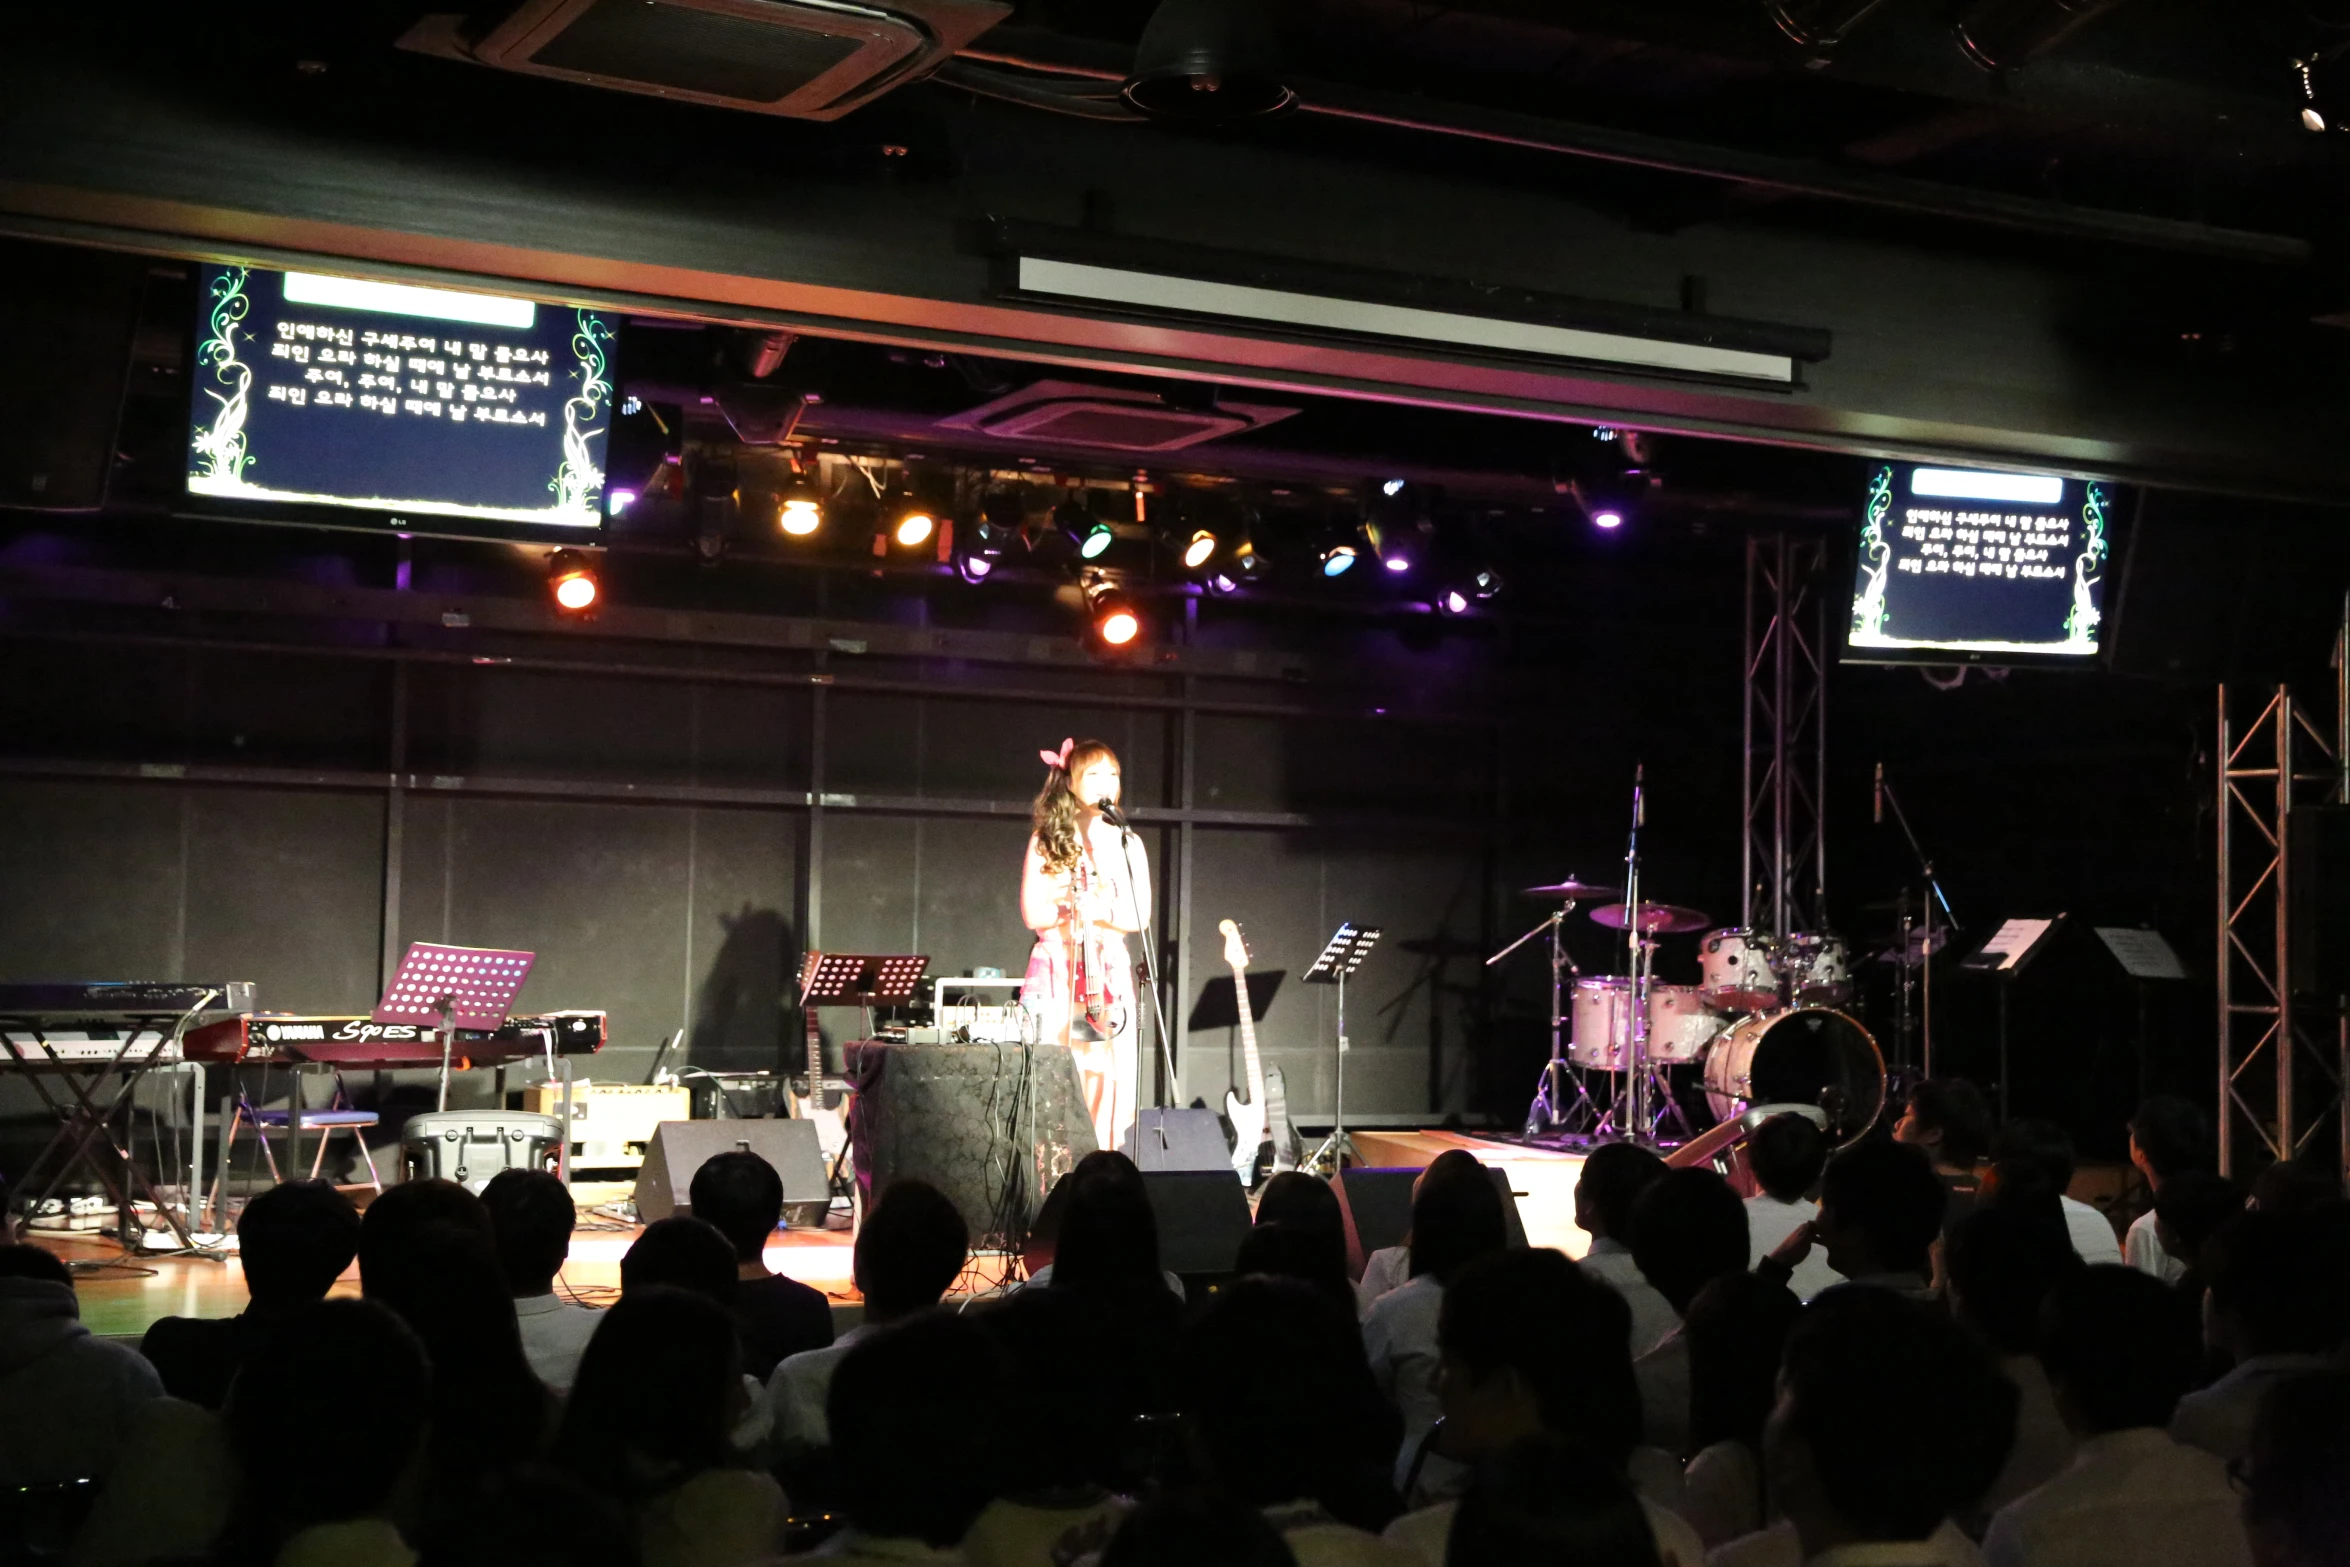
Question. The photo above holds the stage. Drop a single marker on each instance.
(122, 1300)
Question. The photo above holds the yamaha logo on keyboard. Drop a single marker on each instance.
(293, 1031)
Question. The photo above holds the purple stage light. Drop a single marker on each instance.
(1397, 563)
(1607, 517)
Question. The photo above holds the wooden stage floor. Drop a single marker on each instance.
(122, 1300)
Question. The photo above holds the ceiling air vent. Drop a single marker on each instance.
(809, 59)
(1070, 413)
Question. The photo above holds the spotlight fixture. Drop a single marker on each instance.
(1338, 559)
(1390, 546)
(913, 528)
(618, 501)
(1222, 583)
(972, 566)
(572, 579)
(1484, 583)
(1998, 35)
(1208, 60)
(1452, 601)
(798, 512)
(1089, 535)
(998, 524)
(1113, 616)
(1391, 488)
(1817, 24)
(1200, 548)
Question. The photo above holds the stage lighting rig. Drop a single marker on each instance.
(1484, 583)
(1452, 600)
(912, 527)
(1391, 545)
(1338, 559)
(1087, 534)
(1208, 61)
(574, 583)
(1200, 548)
(1111, 614)
(1999, 35)
(1817, 24)
(2321, 89)
(798, 511)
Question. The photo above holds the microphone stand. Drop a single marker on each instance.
(1933, 895)
(1150, 952)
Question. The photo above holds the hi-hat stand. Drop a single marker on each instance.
(1347, 948)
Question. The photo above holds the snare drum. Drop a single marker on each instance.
(1737, 970)
(1802, 1056)
(1679, 1024)
(1819, 970)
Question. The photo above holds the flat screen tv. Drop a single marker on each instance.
(1961, 565)
(429, 408)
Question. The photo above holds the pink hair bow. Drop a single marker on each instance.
(1059, 759)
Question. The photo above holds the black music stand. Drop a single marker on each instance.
(2145, 957)
(454, 987)
(2011, 947)
(1347, 948)
(840, 979)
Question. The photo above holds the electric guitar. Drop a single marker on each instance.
(812, 1098)
(1260, 1126)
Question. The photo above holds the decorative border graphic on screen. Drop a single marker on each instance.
(328, 391)
(1965, 562)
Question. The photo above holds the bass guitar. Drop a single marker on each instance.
(1262, 1138)
(814, 1098)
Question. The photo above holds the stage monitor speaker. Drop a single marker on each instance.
(1203, 1217)
(1380, 1197)
(682, 1147)
(1178, 1139)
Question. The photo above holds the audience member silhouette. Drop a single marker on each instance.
(1390, 1267)
(1786, 1155)
(2169, 1137)
(1736, 1329)
(2274, 1307)
(1688, 1229)
(1881, 1210)
(1613, 1177)
(1456, 1218)
(917, 1452)
(2002, 1261)
(1063, 1443)
(2296, 1473)
(684, 1253)
(293, 1242)
(1548, 1501)
(741, 1195)
(2037, 1156)
(532, 1216)
(1190, 1528)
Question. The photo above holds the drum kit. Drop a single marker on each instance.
(1763, 1025)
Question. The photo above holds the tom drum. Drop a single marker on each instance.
(1818, 969)
(1805, 1056)
(1736, 972)
(1679, 1024)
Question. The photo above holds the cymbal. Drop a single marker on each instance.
(1655, 918)
(1573, 891)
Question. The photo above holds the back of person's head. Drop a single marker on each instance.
(1193, 1528)
(1064, 1432)
(1508, 1312)
(2189, 1210)
(2033, 1155)
(533, 1216)
(741, 1196)
(400, 1213)
(2296, 1476)
(443, 1280)
(31, 1262)
(1456, 1218)
(1614, 1175)
(310, 1371)
(1260, 1350)
(2292, 1185)
(683, 1253)
(2172, 1135)
(915, 1458)
(295, 1240)
(1787, 1154)
(1294, 1197)
(1297, 1249)
(1957, 1115)
(1737, 1329)
(1107, 1162)
(1547, 1501)
(2120, 1347)
(1109, 1235)
(1887, 1195)
(2273, 1279)
(2002, 1262)
(1829, 1443)
(539, 1515)
(910, 1250)
(657, 1388)
(1688, 1229)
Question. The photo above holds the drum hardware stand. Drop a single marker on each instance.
(1931, 895)
(1344, 954)
(1546, 1113)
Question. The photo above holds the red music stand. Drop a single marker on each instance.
(454, 987)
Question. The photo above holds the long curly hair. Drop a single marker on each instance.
(1058, 810)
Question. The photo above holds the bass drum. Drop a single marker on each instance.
(1802, 1056)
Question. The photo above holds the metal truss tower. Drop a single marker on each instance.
(1785, 860)
(2283, 1058)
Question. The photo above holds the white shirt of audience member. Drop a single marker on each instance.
(2130, 1498)
(2142, 1249)
(1770, 1221)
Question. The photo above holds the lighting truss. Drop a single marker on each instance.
(2272, 1060)
(1785, 862)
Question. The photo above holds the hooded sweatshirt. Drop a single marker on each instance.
(66, 1398)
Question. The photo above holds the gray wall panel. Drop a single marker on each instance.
(90, 881)
(286, 889)
(743, 941)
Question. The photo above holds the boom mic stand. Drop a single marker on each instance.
(1150, 953)
(1546, 1113)
(1933, 895)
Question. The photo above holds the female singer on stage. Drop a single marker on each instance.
(1081, 892)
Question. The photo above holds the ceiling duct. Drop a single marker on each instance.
(1110, 419)
(806, 59)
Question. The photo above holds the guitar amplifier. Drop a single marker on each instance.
(611, 1123)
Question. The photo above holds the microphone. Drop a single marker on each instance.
(1880, 817)
(1110, 813)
